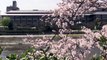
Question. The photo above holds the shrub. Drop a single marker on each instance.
(5, 21)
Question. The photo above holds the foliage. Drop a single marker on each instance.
(1, 52)
(29, 54)
(97, 24)
(98, 58)
(12, 57)
(5, 21)
(103, 41)
(46, 56)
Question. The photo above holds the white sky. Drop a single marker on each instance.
(29, 4)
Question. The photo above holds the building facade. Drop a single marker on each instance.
(31, 18)
(24, 18)
(95, 18)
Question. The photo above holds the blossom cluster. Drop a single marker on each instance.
(69, 47)
(70, 10)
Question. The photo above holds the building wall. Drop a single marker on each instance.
(92, 20)
(34, 21)
(26, 21)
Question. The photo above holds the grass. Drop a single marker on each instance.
(75, 35)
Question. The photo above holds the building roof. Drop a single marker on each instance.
(97, 13)
(29, 12)
(24, 14)
(100, 13)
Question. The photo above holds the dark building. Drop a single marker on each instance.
(25, 18)
(13, 7)
(94, 18)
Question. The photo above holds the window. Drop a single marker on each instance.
(104, 17)
(23, 18)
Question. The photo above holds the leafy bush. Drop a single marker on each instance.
(5, 21)
(29, 54)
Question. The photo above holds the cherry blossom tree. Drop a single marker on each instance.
(69, 47)
(71, 11)
(83, 48)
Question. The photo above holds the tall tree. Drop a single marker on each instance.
(70, 10)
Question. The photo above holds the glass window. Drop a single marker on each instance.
(104, 16)
(23, 18)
